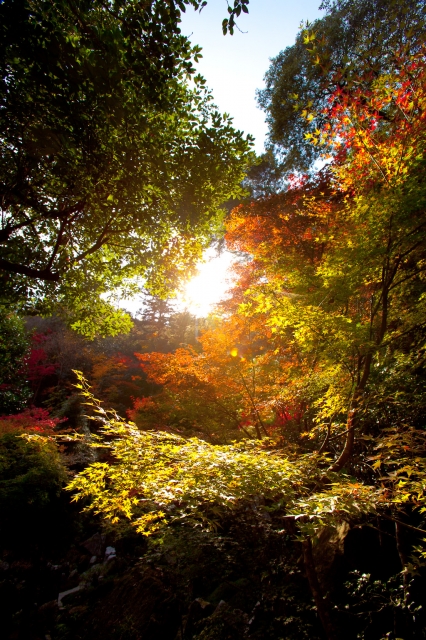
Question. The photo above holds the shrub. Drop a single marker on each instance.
(31, 479)
(34, 419)
(14, 347)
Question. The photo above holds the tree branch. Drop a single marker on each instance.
(37, 274)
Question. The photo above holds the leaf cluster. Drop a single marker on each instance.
(113, 166)
(31, 478)
(349, 48)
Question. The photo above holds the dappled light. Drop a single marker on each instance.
(245, 456)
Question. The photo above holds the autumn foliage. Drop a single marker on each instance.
(325, 323)
(35, 420)
(307, 385)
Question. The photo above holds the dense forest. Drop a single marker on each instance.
(259, 473)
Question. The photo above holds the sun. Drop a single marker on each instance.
(209, 286)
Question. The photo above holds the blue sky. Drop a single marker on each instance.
(234, 66)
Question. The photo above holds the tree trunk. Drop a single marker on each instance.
(353, 418)
(322, 605)
(399, 535)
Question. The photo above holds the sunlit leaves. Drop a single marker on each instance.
(338, 56)
(113, 167)
(158, 479)
(225, 388)
(342, 502)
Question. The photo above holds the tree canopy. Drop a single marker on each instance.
(113, 165)
(319, 353)
(299, 409)
(350, 47)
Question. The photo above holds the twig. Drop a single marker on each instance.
(408, 526)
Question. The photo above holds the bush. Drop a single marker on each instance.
(31, 479)
(34, 419)
(14, 347)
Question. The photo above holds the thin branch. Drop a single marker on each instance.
(408, 526)
(411, 275)
(102, 239)
(386, 343)
(326, 440)
(254, 406)
(57, 243)
(339, 435)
